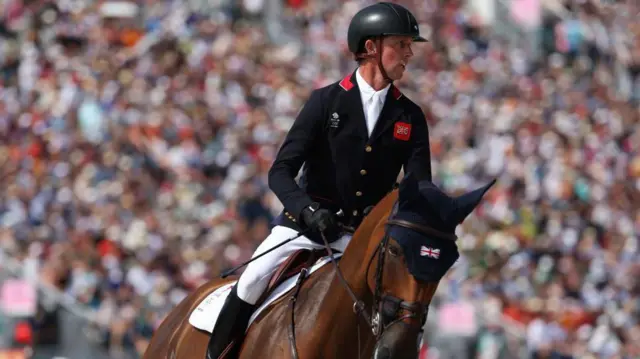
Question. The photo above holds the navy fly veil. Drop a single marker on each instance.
(428, 257)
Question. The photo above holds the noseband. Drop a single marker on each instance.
(388, 310)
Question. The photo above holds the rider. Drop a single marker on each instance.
(353, 137)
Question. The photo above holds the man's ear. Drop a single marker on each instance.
(370, 46)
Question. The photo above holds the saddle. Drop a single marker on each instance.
(299, 260)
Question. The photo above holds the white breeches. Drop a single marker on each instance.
(253, 282)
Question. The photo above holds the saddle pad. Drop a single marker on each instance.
(205, 315)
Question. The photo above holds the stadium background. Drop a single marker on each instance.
(135, 138)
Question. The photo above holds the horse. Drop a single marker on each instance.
(372, 302)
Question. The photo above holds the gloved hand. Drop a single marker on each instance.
(321, 220)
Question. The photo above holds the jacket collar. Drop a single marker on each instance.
(352, 103)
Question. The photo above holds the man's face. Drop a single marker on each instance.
(396, 52)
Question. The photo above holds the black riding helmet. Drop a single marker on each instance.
(381, 19)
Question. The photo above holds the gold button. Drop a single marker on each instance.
(358, 193)
(368, 148)
(355, 213)
(363, 172)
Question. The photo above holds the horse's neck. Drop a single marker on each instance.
(344, 326)
(358, 255)
(363, 245)
(353, 265)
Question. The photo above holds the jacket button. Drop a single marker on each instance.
(355, 212)
(363, 172)
(368, 148)
(358, 193)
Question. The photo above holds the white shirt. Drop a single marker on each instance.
(372, 101)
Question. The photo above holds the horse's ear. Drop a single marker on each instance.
(466, 203)
(439, 202)
(408, 189)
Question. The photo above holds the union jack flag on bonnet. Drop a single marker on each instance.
(429, 252)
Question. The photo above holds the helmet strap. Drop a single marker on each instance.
(385, 76)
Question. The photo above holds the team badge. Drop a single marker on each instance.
(402, 131)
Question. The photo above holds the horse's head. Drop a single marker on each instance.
(418, 248)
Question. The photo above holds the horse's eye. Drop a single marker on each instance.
(394, 251)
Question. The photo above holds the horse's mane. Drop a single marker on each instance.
(374, 221)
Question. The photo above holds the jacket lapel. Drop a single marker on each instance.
(390, 111)
(351, 103)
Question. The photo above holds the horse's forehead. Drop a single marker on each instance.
(427, 258)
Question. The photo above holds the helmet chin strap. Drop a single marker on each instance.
(385, 76)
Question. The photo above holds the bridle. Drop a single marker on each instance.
(386, 308)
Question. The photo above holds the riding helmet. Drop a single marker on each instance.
(381, 19)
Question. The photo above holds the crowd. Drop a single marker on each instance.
(131, 174)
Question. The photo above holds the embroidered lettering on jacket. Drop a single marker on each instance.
(334, 121)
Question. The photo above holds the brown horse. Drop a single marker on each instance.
(391, 269)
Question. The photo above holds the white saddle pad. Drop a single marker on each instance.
(205, 315)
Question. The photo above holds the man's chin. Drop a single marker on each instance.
(397, 75)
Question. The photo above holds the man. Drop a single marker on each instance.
(353, 137)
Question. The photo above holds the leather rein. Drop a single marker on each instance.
(386, 308)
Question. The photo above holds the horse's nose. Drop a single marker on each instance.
(397, 342)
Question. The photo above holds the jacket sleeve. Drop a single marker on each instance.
(419, 161)
(293, 153)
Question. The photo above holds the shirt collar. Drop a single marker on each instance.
(366, 91)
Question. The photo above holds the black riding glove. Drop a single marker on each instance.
(321, 220)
